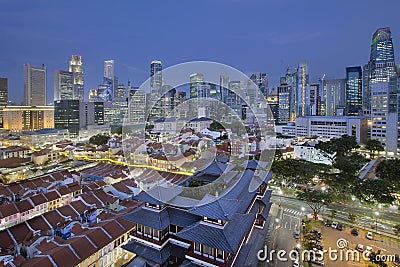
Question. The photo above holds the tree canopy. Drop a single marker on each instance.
(99, 139)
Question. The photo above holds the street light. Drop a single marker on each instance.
(376, 220)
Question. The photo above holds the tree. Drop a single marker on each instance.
(117, 130)
(396, 229)
(315, 199)
(375, 191)
(99, 139)
(373, 145)
(352, 217)
(338, 147)
(388, 171)
(216, 126)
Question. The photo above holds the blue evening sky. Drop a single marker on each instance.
(250, 35)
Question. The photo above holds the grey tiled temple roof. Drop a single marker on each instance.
(155, 255)
(226, 238)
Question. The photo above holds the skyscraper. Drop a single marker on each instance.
(76, 68)
(3, 97)
(35, 85)
(334, 96)
(156, 80)
(106, 89)
(290, 80)
(120, 91)
(66, 116)
(285, 103)
(63, 85)
(302, 82)
(382, 86)
(109, 69)
(261, 80)
(195, 79)
(353, 91)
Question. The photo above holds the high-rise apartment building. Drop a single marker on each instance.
(35, 79)
(3, 97)
(354, 91)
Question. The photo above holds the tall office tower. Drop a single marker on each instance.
(322, 94)
(76, 67)
(290, 79)
(137, 106)
(3, 97)
(109, 69)
(261, 80)
(120, 91)
(63, 85)
(106, 89)
(366, 93)
(313, 100)
(286, 103)
(334, 97)
(156, 79)
(273, 103)
(114, 112)
(196, 79)
(91, 113)
(382, 83)
(94, 95)
(35, 85)
(232, 99)
(66, 116)
(354, 91)
(223, 86)
(302, 83)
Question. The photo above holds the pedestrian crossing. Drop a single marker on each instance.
(290, 211)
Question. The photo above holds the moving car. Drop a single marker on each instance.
(369, 236)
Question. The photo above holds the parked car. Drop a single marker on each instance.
(296, 234)
(368, 251)
(354, 232)
(327, 223)
(334, 225)
(370, 236)
(360, 247)
(340, 227)
(396, 260)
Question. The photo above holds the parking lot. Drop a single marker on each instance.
(331, 235)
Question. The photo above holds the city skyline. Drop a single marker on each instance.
(342, 43)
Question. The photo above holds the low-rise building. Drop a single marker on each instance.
(14, 152)
(328, 127)
(43, 137)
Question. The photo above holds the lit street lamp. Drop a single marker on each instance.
(376, 220)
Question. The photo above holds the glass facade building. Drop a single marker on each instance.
(353, 91)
